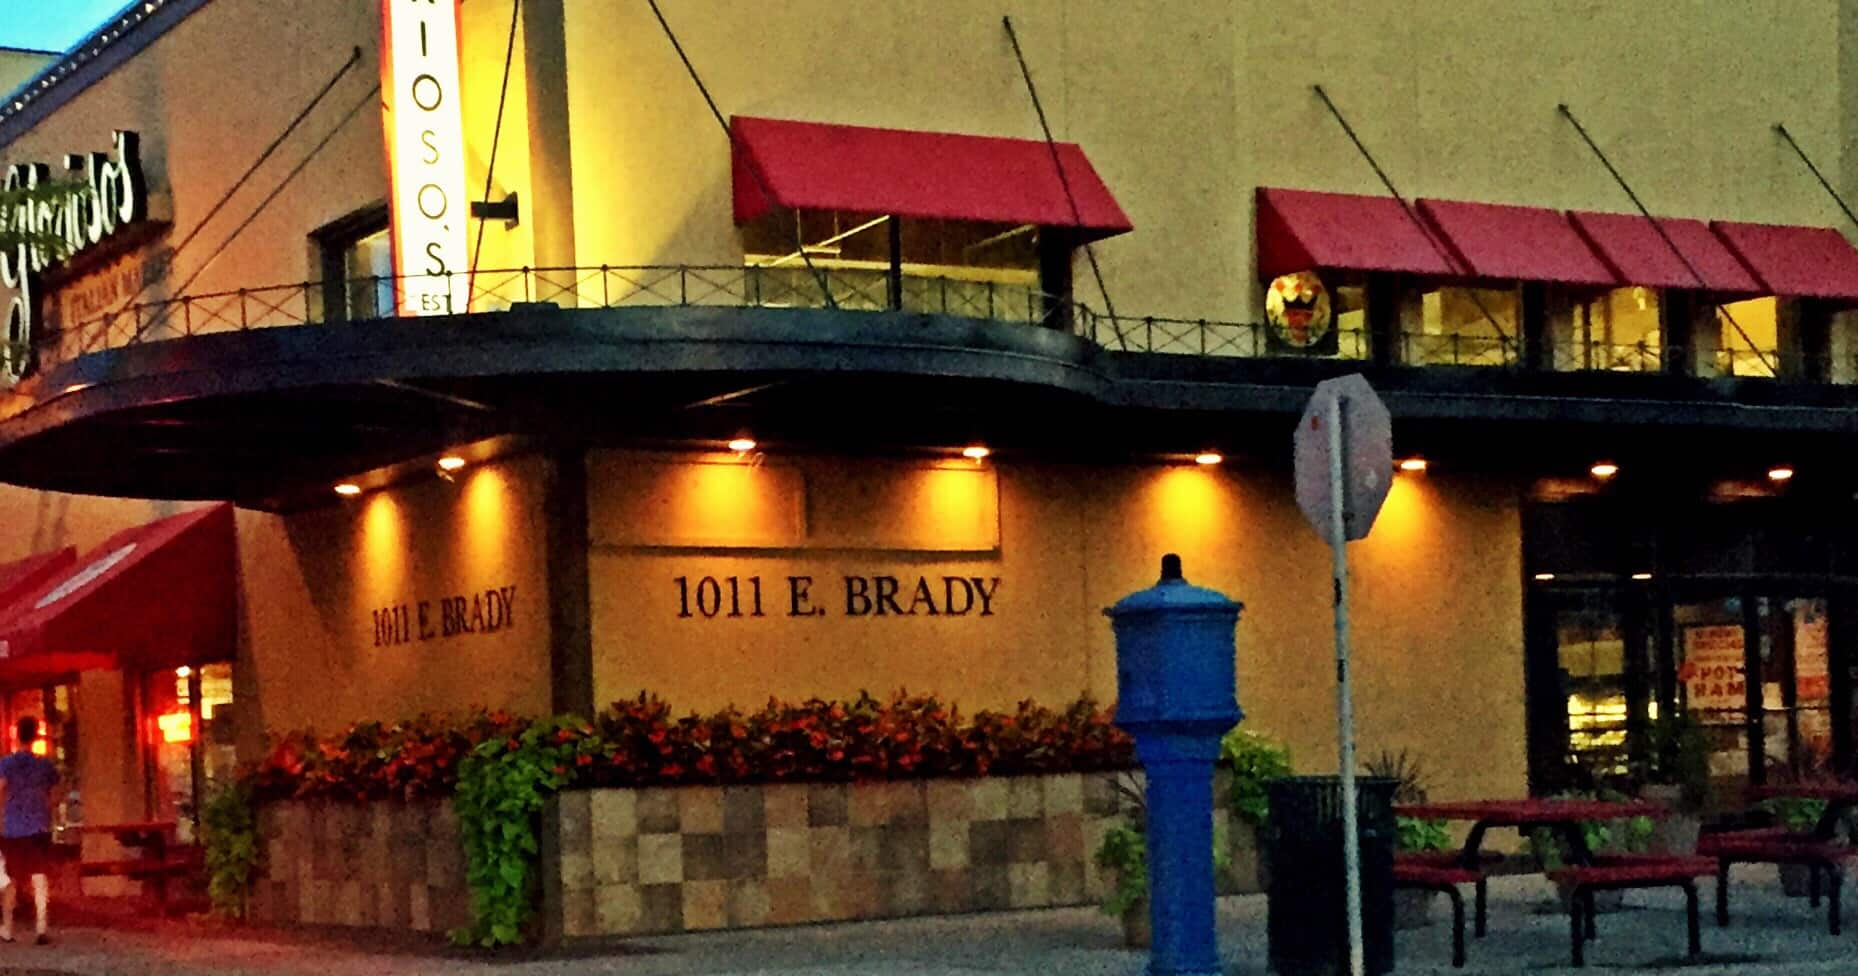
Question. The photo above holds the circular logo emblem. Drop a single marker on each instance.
(1297, 308)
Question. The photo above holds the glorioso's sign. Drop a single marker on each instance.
(107, 192)
(425, 139)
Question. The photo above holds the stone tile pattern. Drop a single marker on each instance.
(381, 865)
(629, 862)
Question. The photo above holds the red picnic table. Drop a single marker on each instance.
(1564, 817)
(1841, 800)
(153, 838)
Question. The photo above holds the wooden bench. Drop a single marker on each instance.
(1629, 871)
(1425, 873)
(155, 871)
(1778, 846)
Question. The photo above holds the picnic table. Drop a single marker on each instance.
(153, 838)
(1563, 817)
(1841, 801)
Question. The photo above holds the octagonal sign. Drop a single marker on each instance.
(1367, 455)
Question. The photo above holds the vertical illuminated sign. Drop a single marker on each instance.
(425, 155)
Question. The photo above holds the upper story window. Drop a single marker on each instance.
(356, 260)
(1744, 339)
(1454, 326)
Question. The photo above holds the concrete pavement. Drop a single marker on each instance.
(1774, 936)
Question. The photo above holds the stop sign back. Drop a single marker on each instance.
(1367, 455)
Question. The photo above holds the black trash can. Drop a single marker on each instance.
(1308, 901)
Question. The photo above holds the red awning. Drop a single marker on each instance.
(28, 574)
(1302, 230)
(1520, 243)
(157, 595)
(1632, 247)
(936, 175)
(1806, 262)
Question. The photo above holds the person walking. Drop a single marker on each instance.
(26, 833)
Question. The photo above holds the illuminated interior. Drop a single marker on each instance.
(1461, 327)
(1750, 341)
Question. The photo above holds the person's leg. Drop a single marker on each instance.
(41, 900)
(8, 896)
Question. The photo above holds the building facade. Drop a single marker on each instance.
(712, 393)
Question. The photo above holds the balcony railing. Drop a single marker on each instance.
(736, 286)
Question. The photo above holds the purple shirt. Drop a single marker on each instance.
(29, 782)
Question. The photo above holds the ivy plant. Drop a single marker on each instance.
(502, 786)
(230, 826)
(1254, 760)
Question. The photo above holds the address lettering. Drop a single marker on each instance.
(851, 595)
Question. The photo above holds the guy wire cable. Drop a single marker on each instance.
(1658, 225)
(1064, 181)
(207, 262)
(1781, 127)
(754, 165)
(496, 136)
(1424, 229)
(354, 58)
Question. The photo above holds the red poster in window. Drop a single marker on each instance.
(1812, 680)
(1713, 672)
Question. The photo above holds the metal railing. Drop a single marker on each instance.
(862, 290)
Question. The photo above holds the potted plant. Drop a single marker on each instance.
(1412, 907)
(1799, 814)
(1251, 760)
(1674, 771)
(1124, 851)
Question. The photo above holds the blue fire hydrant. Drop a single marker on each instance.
(1175, 682)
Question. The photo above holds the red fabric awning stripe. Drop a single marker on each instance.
(157, 595)
(1803, 262)
(1518, 243)
(1303, 230)
(1631, 246)
(936, 175)
(23, 576)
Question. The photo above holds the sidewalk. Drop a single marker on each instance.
(1774, 935)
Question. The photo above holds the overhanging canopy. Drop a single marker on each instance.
(1498, 241)
(157, 595)
(1302, 230)
(29, 574)
(904, 173)
(1802, 262)
(1632, 247)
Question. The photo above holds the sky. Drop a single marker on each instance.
(52, 25)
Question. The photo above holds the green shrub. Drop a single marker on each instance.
(1254, 760)
(230, 826)
(1414, 834)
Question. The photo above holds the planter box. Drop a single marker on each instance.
(384, 865)
(633, 862)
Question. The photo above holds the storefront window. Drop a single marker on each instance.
(1749, 338)
(952, 267)
(1461, 327)
(357, 266)
(1618, 331)
(57, 740)
(188, 731)
(1591, 646)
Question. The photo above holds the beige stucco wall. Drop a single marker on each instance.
(313, 582)
(1438, 599)
(1186, 107)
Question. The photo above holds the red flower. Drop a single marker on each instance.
(583, 760)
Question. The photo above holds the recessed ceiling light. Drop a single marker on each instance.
(1780, 472)
(1413, 464)
(348, 489)
(451, 462)
(975, 451)
(1208, 457)
(1605, 469)
(1641, 576)
(1544, 577)
(742, 445)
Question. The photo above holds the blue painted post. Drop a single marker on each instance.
(1175, 694)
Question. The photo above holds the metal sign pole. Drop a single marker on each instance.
(1345, 703)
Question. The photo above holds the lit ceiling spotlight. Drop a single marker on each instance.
(1209, 457)
(742, 445)
(1780, 472)
(1413, 464)
(975, 452)
(451, 462)
(1641, 576)
(1604, 470)
(348, 489)
(1544, 577)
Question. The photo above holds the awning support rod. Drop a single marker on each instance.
(754, 165)
(1077, 216)
(1781, 127)
(1658, 225)
(496, 134)
(1425, 230)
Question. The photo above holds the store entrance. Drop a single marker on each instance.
(1751, 658)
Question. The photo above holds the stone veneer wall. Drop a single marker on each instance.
(380, 865)
(629, 862)
(635, 862)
